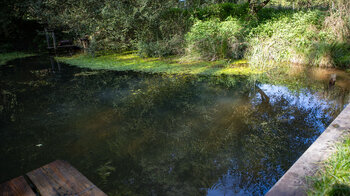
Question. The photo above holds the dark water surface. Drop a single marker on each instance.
(143, 134)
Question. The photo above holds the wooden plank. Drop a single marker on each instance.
(60, 178)
(17, 186)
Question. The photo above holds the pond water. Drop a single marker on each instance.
(153, 134)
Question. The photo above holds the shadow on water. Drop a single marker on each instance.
(144, 134)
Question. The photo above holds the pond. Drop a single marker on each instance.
(154, 134)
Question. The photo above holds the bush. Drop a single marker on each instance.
(161, 48)
(340, 53)
(221, 11)
(312, 37)
(289, 38)
(330, 54)
(212, 39)
(166, 35)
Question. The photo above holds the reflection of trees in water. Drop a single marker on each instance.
(275, 136)
(198, 141)
(8, 106)
(174, 135)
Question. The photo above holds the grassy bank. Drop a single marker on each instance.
(6, 57)
(313, 37)
(170, 65)
(335, 179)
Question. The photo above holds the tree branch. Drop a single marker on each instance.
(255, 6)
(263, 4)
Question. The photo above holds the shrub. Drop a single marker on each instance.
(330, 54)
(340, 53)
(161, 48)
(221, 11)
(308, 37)
(212, 39)
(166, 34)
(288, 38)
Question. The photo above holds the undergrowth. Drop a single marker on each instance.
(6, 57)
(276, 35)
(315, 37)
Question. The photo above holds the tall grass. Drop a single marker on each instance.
(338, 21)
(285, 38)
(315, 37)
(214, 39)
(335, 178)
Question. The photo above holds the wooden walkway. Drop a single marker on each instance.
(55, 179)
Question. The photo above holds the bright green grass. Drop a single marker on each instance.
(170, 65)
(6, 57)
(335, 179)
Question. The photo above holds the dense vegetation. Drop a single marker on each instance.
(280, 35)
(313, 32)
(5, 57)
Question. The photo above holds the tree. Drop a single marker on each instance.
(256, 5)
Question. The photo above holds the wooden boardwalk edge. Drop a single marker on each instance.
(54, 179)
(16, 186)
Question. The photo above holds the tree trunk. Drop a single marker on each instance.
(255, 7)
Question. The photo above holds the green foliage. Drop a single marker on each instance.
(338, 21)
(278, 35)
(161, 48)
(285, 38)
(221, 11)
(301, 4)
(340, 53)
(6, 57)
(335, 178)
(210, 30)
(113, 25)
(168, 38)
(330, 54)
(213, 39)
(170, 65)
(164, 35)
(309, 37)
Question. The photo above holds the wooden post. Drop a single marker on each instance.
(47, 38)
(53, 39)
(85, 42)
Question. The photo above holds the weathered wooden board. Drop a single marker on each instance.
(60, 178)
(15, 187)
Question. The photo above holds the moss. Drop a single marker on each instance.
(6, 57)
(169, 65)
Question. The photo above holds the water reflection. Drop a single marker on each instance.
(280, 125)
(139, 134)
